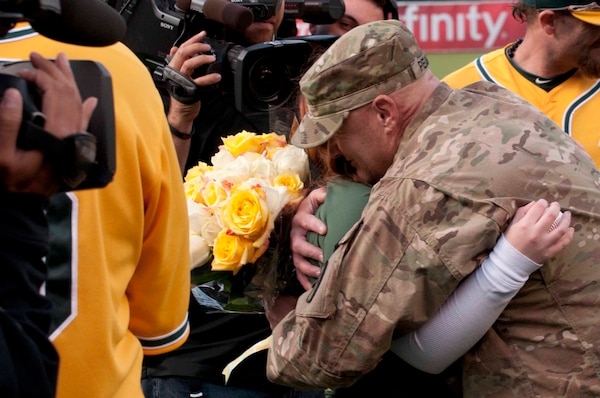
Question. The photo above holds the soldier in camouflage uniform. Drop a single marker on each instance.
(449, 168)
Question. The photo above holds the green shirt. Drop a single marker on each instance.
(342, 208)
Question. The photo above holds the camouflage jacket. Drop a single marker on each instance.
(466, 162)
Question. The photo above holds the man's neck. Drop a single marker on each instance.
(531, 65)
(536, 55)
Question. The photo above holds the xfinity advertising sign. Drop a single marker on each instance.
(449, 26)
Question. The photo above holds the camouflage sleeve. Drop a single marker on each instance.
(384, 280)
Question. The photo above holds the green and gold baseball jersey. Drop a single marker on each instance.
(572, 104)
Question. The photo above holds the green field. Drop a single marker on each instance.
(442, 64)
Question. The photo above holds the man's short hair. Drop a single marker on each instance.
(584, 10)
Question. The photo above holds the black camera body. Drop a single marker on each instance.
(92, 80)
(264, 76)
(262, 82)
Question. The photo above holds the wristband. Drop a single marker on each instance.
(180, 135)
(81, 150)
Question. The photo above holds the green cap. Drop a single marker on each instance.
(371, 59)
(580, 9)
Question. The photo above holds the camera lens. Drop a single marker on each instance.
(267, 74)
(259, 11)
(267, 79)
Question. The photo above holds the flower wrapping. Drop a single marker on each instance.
(234, 206)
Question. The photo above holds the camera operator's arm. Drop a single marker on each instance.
(29, 360)
(186, 58)
(65, 114)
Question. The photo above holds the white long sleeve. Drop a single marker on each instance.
(468, 313)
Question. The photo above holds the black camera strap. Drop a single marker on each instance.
(180, 86)
(73, 154)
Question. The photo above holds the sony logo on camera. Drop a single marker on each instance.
(167, 26)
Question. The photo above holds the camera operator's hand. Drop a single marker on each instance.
(65, 114)
(188, 57)
(192, 54)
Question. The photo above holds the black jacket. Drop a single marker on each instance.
(29, 361)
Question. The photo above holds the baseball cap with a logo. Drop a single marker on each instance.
(371, 59)
(581, 9)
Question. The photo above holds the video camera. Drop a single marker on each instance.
(263, 76)
(98, 158)
(84, 160)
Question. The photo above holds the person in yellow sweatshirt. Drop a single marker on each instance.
(555, 66)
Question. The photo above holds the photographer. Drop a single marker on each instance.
(358, 12)
(29, 361)
(215, 339)
(215, 115)
(118, 264)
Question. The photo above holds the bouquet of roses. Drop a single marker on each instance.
(234, 205)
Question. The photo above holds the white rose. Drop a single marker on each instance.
(262, 167)
(198, 215)
(221, 159)
(277, 198)
(211, 229)
(204, 227)
(199, 251)
(292, 159)
(235, 171)
(203, 222)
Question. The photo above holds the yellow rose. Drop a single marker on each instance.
(231, 252)
(212, 193)
(271, 143)
(245, 212)
(197, 171)
(193, 188)
(205, 191)
(242, 142)
(273, 139)
(292, 182)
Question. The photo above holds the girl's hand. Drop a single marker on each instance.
(539, 230)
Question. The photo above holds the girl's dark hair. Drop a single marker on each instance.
(389, 7)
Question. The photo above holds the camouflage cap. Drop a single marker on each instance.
(371, 59)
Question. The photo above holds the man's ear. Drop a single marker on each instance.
(547, 20)
(385, 110)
